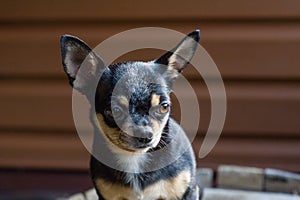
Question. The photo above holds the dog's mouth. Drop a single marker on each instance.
(133, 143)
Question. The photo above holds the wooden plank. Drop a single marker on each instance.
(240, 177)
(14, 183)
(234, 194)
(34, 10)
(256, 152)
(42, 151)
(241, 51)
(63, 151)
(36, 106)
(253, 108)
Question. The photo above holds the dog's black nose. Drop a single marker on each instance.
(147, 137)
(143, 135)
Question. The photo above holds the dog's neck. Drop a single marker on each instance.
(131, 162)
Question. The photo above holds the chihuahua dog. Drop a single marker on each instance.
(150, 156)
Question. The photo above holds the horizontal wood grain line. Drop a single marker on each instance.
(119, 10)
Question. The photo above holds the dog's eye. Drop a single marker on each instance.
(115, 112)
(164, 108)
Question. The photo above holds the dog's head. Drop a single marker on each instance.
(132, 101)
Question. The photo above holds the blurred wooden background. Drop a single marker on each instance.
(255, 44)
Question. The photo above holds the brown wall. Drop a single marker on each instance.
(255, 44)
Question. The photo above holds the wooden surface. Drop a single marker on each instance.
(255, 44)
(16, 10)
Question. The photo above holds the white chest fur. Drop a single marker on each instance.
(132, 163)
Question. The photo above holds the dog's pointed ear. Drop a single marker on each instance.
(173, 62)
(76, 54)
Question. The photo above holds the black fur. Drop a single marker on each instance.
(138, 81)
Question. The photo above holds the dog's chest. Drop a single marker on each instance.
(165, 189)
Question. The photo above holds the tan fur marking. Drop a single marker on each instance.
(115, 192)
(155, 100)
(110, 133)
(174, 187)
(165, 189)
(123, 101)
(112, 136)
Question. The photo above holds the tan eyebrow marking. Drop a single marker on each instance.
(123, 101)
(155, 100)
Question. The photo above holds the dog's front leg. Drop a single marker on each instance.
(192, 193)
(100, 197)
